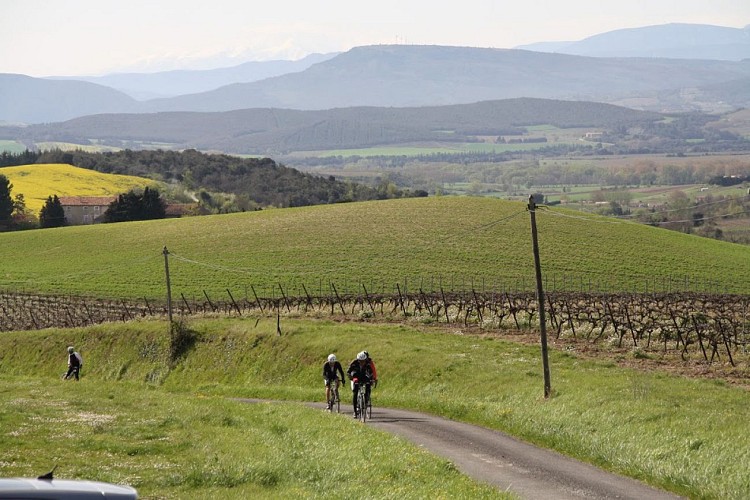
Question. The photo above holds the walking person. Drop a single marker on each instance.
(75, 363)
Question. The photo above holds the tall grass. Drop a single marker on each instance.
(688, 436)
(459, 242)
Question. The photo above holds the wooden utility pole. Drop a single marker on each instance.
(540, 298)
(169, 287)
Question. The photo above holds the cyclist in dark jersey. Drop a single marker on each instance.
(360, 373)
(331, 369)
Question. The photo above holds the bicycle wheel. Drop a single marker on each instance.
(331, 399)
(362, 405)
(336, 399)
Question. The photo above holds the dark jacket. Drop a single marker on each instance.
(329, 372)
(362, 372)
(74, 359)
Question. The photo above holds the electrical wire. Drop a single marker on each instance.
(211, 266)
(692, 207)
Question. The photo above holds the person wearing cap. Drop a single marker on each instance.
(75, 363)
(331, 369)
(360, 373)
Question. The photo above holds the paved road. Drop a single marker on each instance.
(512, 465)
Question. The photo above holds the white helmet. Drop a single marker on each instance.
(362, 356)
(331, 358)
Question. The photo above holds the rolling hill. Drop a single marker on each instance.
(37, 182)
(451, 242)
(267, 130)
(36, 100)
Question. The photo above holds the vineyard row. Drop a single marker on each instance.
(711, 326)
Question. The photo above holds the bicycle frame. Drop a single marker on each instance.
(364, 405)
(333, 396)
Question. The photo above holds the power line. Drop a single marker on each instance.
(210, 266)
(599, 219)
(696, 220)
(692, 207)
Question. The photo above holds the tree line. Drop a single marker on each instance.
(256, 182)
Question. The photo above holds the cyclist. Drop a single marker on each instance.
(372, 367)
(360, 372)
(330, 370)
(75, 362)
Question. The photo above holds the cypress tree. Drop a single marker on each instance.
(52, 213)
(6, 202)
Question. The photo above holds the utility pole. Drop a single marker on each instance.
(540, 298)
(169, 287)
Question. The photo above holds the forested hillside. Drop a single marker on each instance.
(271, 131)
(256, 182)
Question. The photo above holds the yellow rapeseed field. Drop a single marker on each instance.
(37, 182)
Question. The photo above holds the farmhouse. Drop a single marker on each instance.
(85, 209)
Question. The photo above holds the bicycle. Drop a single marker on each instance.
(333, 397)
(364, 404)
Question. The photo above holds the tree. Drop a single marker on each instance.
(6, 202)
(52, 213)
(153, 207)
(133, 206)
(22, 218)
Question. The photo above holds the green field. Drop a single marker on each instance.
(166, 424)
(429, 149)
(12, 147)
(69, 146)
(454, 242)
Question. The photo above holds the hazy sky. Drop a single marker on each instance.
(93, 37)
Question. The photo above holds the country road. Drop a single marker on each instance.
(499, 459)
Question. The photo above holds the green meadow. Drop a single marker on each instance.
(430, 149)
(13, 147)
(171, 426)
(428, 243)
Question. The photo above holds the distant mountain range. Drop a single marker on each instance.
(409, 75)
(674, 41)
(143, 86)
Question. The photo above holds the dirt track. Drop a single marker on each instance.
(511, 465)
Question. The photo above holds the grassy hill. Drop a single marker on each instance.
(169, 428)
(454, 242)
(37, 182)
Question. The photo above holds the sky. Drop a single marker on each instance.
(96, 37)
